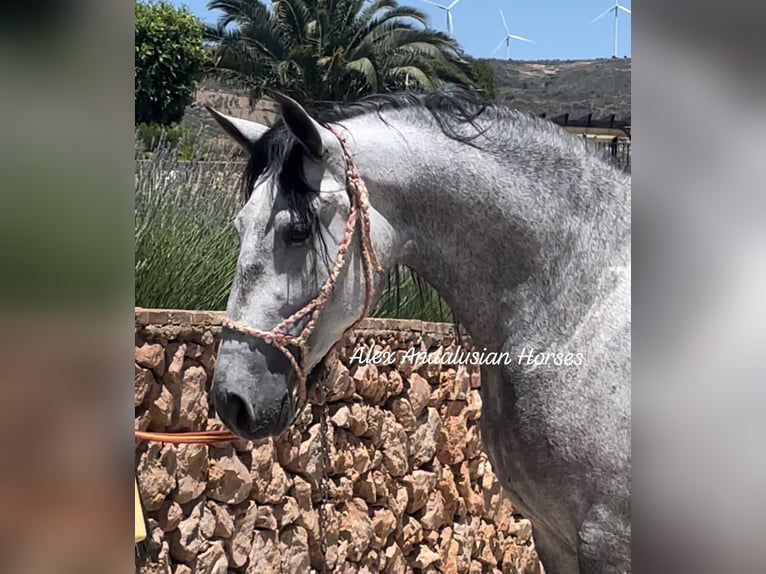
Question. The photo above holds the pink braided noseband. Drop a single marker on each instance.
(359, 212)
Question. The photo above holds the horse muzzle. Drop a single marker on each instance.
(251, 391)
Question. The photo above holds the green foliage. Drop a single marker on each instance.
(316, 50)
(408, 296)
(483, 76)
(185, 245)
(152, 137)
(170, 60)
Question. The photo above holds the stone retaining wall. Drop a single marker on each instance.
(410, 488)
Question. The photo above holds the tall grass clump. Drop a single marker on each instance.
(185, 244)
(408, 296)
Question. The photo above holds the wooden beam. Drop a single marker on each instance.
(596, 132)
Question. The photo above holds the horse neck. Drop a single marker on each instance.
(517, 243)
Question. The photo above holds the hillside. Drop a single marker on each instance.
(577, 87)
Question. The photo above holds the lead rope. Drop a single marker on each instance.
(325, 478)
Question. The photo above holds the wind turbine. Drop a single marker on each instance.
(507, 39)
(616, 9)
(447, 9)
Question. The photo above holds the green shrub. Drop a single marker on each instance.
(154, 136)
(483, 76)
(182, 140)
(169, 59)
(185, 244)
(409, 296)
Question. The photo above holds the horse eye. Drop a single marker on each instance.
(298, 234)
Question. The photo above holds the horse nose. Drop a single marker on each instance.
(248, 418)
(250, 388)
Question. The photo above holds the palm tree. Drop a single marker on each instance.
(339, 50)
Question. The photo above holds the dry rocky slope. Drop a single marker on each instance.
(576, 87)
(410, 488)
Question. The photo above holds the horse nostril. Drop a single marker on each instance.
(236, 413)
(242, 416)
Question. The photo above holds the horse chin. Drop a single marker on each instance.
(315, 375)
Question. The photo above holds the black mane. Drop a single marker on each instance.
(278, 153)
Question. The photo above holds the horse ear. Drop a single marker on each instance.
(244, 132)
(301, 125)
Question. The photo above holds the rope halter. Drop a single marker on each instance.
(279, 337)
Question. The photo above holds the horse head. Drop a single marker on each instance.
(303, 275)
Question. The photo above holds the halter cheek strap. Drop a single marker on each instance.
(358, 217)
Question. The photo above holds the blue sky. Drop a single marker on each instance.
(561, 29)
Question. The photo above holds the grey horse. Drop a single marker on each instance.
(525, 232)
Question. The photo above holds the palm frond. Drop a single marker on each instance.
(330, 49)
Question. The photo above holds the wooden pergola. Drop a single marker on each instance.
(605, 128)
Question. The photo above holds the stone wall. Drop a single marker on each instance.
(410, 489)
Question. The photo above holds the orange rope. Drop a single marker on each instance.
(192, 437)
